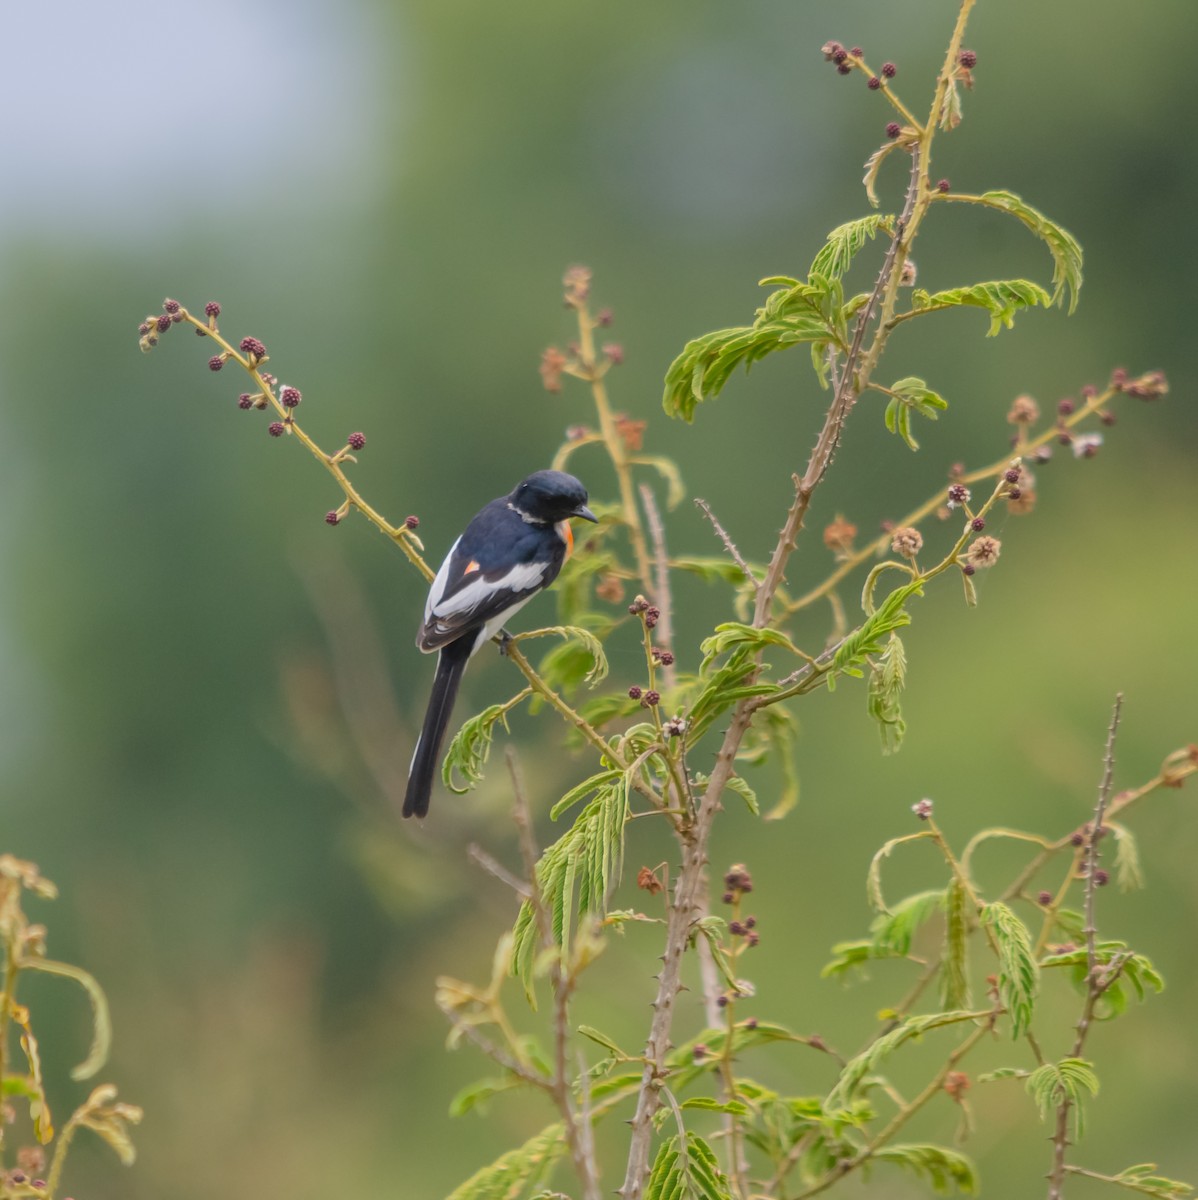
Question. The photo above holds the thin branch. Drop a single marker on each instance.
(661, 582)
(729, 544)
(1097, 980)
(494, 867)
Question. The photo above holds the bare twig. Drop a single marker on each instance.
(494, 867)
(729, 544)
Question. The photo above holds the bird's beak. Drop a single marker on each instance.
(585, 513)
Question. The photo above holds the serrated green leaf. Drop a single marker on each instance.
(873, 879)
(951, 111)
(1143, 1178)
(856, 1069)
(710, 1104)
(686, 1170)
(945, 1170)
(954, 970)
(1001, 298)
(1128, 872)
(516, 1171)
(1019, 975)
(887, 678)
(471, 746)
(737, 784)
(475, 1095)
(97, 1056)
(1066, 252)
(1054, 1084)
(584, 641)
(595, 1035)
(576, 874)
(872, 165)
(836, 256)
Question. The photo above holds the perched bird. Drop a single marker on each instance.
(510, 551)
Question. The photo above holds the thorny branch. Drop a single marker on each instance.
(1098, 979)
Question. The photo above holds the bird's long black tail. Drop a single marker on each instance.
(451, 662)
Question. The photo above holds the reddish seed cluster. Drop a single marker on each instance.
(977, 524)
(276, 429)
(665, 657)
(1012, 476)
(332, 518)
(652, 616)
(893, 129)
(212, 309)
(1044, 899)
(651, 698)
(290, 397)
(958, 493)
(638, 606)
(943, 187)
(635, 692)
(614, 353)
(216, 362)
(922, 808)
(163, 323)
(737, 879)
(411, 522)
(253, 347)
(889, 70)
(245, 401)
(968, 59)
(356, 441)
(874, 83)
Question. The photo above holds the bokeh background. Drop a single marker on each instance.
(209, 695)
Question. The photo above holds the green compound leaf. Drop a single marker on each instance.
(577, 873)
(686, 1170)
(887, 678)
(517, 1171)
(1068, 1081)
(1018, 976)
(836, 256)
(857, 1069)
(1143, 1178)
(907, 396)
(954, 970)
(1001, 298)
(1066, 252)
(471, 746)
(945, 1170)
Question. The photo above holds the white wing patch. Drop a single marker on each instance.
(437, 587)
(525, 577)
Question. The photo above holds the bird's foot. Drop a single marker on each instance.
(505, 640)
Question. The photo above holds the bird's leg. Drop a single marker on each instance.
(505, 640)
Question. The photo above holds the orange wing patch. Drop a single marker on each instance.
(471, 566)
(567, 535)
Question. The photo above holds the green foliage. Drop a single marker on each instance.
(1142, 1178)
(686, 1169)
(1128, 872)
(945, 1170)
(471, 747)
(580, 660)
(907, 396)
(517, 1171)
(1018, 975)
(866, 639)
(1123, 966)
(887, 678)
(954, 970)
(1001, 298)
(1065, 1082)
(891, 934)
(857, 1069)
(836, 256)
(1066, 252)
(576, 874)
(474, 1096)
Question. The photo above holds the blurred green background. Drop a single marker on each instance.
(387, 194)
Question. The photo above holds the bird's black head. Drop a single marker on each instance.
(549, 496)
